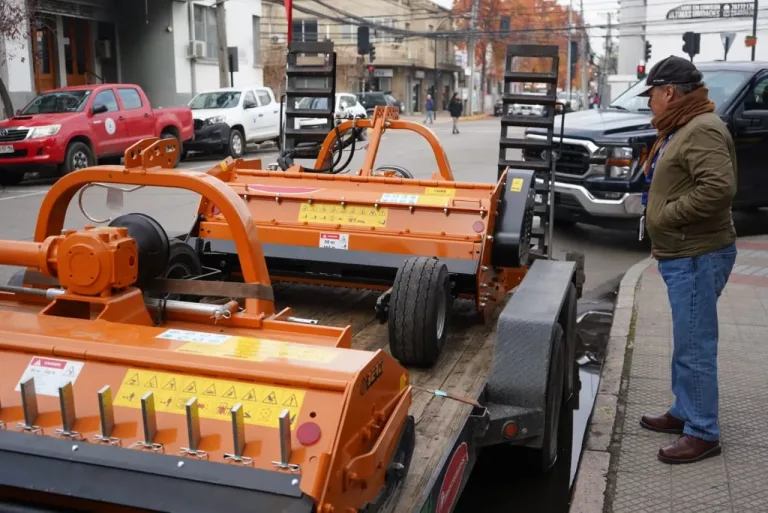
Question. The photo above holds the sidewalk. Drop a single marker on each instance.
(620, 471)
(444, 117)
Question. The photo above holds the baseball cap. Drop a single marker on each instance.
(672, 70)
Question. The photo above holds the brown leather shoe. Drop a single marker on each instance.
(665, 423)
(689, 449)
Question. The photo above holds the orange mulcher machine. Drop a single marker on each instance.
(114, 397)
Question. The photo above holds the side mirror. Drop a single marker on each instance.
(249, 105)
(18, 112)
(99, 109)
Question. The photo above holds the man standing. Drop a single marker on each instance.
(455, 107)
(692, 171)
(430, 108)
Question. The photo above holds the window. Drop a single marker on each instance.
(216, 100)
(432, 41)
(264, 98)
(381, 35)
(130, 98)
(757, 99)
(249, 98)
(107, 98)
(205, 30)
(350, 32)
(256, 40)
(305, 30)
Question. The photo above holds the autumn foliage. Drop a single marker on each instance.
(530, 22)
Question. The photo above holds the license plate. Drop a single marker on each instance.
(6, 149)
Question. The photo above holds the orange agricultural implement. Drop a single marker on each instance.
(421, 241)
(114, 397)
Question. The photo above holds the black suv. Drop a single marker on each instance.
(373, 99)
(599, 179)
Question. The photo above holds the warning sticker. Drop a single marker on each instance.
(440, 191)
(400, 199)
(331, 213)
(260, 349)
(517, 185)
(50, 374)
(262, 404)
(194, 336)
(334, 240)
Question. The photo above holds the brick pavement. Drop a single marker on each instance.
(737, 480)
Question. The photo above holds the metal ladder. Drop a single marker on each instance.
(541, 236)
(308, 81)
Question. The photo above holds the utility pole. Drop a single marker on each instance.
(221, 31)
(568, 77)
(472, 37)
(605, 63)
(754, 29)
(584, 59)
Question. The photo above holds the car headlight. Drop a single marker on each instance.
(619, 162)
(215, 120)
(44, 131)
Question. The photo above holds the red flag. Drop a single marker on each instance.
(289, 13)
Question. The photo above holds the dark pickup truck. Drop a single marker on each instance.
(599, 178)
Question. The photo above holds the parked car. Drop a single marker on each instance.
(599, 172)
(498, 107)
(76, 127)
(227, 119)
(373, 99)
(524, 109)
(347, 107)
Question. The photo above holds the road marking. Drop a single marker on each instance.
(27, 195)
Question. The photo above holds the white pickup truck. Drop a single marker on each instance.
(228, 119)
(347, 107)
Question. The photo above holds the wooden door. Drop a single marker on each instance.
(44, 63)
(77, 50)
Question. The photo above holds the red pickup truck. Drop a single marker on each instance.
(76, 127)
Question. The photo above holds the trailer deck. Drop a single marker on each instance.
(462, 370)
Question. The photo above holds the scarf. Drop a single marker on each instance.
(678, 113)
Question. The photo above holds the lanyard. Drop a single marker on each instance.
(652, 167)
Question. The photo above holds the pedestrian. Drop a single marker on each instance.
(692, 173)
(455, 107)
(430, 108)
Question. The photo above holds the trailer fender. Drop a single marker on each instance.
(517, 384)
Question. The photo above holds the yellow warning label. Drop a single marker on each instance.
(440, 191)
(403, 381)
(440, 201)
(353, 215)
(517, 185)
(259, 349)
(262, 404)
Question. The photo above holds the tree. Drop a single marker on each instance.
(15, 17)
(530, 22)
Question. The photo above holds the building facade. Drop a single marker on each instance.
(168, 47)
(409, 68)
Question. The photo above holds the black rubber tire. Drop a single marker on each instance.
(420, 301)
(169, 135)
(10, 177)
(183, 263)
(554, 408)
(399, 170)
(362, 134)
(77, 150)
(233, 134)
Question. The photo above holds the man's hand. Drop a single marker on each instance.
(706, 155)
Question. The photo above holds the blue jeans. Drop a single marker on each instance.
(694, 285)
(430, 117)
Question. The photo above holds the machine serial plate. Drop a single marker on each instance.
(262, 404)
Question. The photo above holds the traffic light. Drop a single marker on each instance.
(370, 70)
(691, 46)
(574, 53)
(372, 54)
(363, 40)
(640, 71)
(647, 52)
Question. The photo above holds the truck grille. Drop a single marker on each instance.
(13, 134)
(573, 159)
(198, 124)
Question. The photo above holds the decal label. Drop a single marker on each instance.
(372, 377)
(110, 126)
(334, 240)
(259, 350)
(517, 185)
(50, 374)
(401, 199)
(194, 336)
(439, 191)
(454, 475)
(262, 404)
(331, 213)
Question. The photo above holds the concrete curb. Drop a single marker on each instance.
(592, 478)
